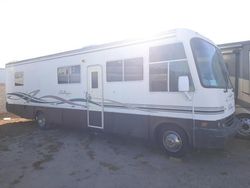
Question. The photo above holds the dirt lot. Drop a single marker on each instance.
(62, 158)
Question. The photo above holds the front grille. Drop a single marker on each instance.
(229, 121)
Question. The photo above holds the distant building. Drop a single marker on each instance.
(2, 75)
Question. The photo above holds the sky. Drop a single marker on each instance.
(32, 28)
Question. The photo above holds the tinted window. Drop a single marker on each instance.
(74, 76)
(69, 74)
(114, 71)
(133, 69)
(19, 79)
(63, 75)
(177, 69)
(158, 77)
(94, 79)
(167, 52)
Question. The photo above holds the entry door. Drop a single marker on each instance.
(94, 96)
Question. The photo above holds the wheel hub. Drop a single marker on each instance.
(244, 128)
(172, 141)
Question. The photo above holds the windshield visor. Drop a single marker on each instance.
(210, 65)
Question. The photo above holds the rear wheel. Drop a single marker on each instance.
(174, 141)
(41, 121)
(244, 127)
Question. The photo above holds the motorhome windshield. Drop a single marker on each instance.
(211, 68)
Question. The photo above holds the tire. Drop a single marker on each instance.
(174, 141)
(244, 127)
(41, 121)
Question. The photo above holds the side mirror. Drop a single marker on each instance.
(183, 83)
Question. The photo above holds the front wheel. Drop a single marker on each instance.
(244, 128)
(174, 141)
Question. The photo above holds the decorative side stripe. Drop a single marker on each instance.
(51, 99)
(55, 100)
(168, 108)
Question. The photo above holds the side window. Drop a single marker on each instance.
(63, 75)
(246, 73)
(167, 64)
(167, 52)
(177, 69)
(75, 74)
(158, 77)
(69, 74)
(133, 69)
(114, 71)
(19, 80)
(124, 70)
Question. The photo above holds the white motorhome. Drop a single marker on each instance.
(237, 59)
(172, 87)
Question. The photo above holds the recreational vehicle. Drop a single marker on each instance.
(173, 88)
(237, 58)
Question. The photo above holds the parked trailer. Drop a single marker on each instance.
(237, 59)
(173, 88)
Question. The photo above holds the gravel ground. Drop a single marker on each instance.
(64, 158)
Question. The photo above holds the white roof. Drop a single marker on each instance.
(93, 48)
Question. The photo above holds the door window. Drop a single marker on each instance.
(94, 80)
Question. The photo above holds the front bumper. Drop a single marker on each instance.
(215, 137)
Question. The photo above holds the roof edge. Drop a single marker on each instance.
(93, 48)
